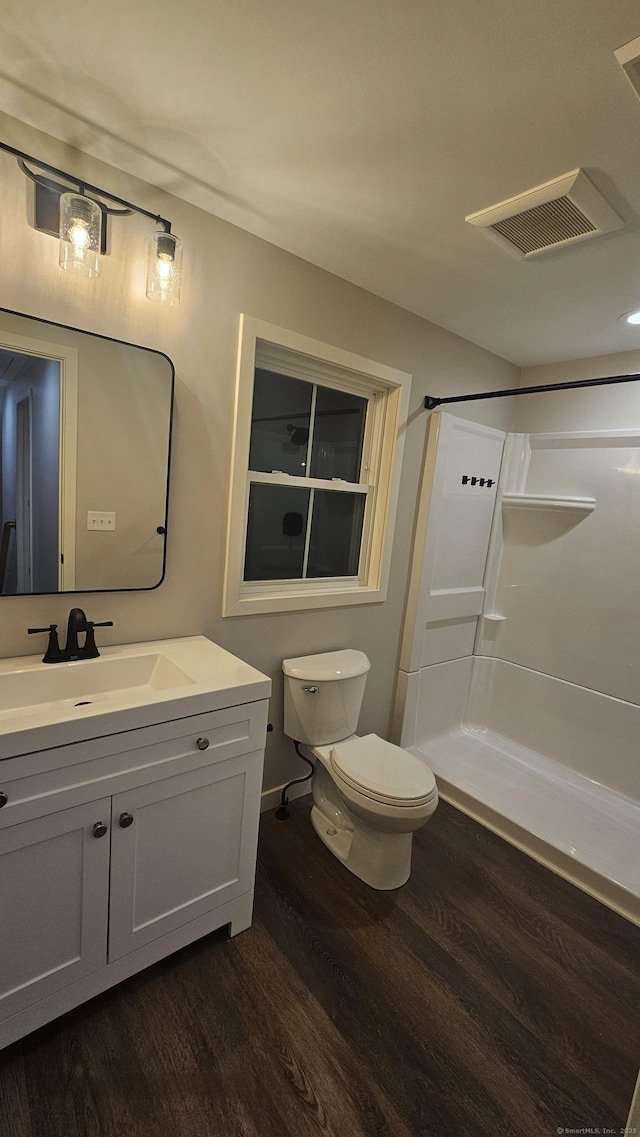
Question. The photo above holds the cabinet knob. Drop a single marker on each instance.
(125, 820)
(99, 829)
(202, 743)
(3, 798)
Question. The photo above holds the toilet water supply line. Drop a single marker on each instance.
(282, 812)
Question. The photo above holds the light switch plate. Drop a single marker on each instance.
(102, 521)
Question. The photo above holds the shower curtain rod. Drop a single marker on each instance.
(430, 402)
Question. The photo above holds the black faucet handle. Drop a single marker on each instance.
(90, 650)
(53, 653)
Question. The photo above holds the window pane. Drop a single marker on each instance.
(337, 435)
(279, 423)
(336, 533)
(276, 532)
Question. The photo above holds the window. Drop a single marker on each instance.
(306, 500)
(315, 474)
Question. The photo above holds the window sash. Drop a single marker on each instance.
(372, 434)
(275, 361)
(295, 585)
(364, 389)
(249, 587)
(371, 443)
(279, 478)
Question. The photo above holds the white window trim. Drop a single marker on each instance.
(390, 388)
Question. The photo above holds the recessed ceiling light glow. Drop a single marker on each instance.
(630, 317)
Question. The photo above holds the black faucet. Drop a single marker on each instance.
(77, 624)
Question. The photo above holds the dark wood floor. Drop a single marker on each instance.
(487, 997)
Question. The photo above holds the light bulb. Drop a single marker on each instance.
(80, 227)
(79, 237)
(164, 267)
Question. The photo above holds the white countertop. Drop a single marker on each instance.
(81, 704)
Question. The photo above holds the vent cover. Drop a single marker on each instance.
(629, 59)
(560, 212)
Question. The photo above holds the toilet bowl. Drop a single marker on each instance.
(369, 796)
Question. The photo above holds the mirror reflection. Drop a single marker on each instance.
(85, 427)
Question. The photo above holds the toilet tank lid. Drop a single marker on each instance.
(327, 665)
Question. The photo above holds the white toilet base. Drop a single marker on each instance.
(382, 860)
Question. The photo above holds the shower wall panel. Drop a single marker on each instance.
(568, 585)
(446, 592)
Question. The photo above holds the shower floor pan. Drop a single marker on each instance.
(579, 828)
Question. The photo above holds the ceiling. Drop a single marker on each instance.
(359, 133)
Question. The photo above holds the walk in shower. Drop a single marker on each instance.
(519, 679)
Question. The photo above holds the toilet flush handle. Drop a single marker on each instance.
(311, 690)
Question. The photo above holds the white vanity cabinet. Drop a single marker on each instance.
(117, 850)
(190, 847)
(54, 890)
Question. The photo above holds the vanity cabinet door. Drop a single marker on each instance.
(54, 888)
(180, 847)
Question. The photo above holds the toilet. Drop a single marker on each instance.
(369, 796)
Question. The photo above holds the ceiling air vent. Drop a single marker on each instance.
(560, 212)
(629, 59)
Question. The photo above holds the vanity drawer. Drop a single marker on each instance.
(40, 783)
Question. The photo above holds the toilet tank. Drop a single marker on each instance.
(323, 695)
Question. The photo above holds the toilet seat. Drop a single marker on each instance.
(383, 772)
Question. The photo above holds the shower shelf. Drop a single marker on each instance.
(549, 502)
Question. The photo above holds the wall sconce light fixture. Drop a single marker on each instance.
(71, 213)
(80, 232)
(164, 268)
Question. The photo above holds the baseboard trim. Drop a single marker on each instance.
(270, 799)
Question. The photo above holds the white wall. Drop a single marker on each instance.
(592, 408)
(228, 271)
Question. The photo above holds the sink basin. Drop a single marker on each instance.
(86, 682)
(129, 686)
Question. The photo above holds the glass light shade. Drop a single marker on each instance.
(164, 268)
(80, 225)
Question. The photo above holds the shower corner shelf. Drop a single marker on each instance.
(549, 502)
